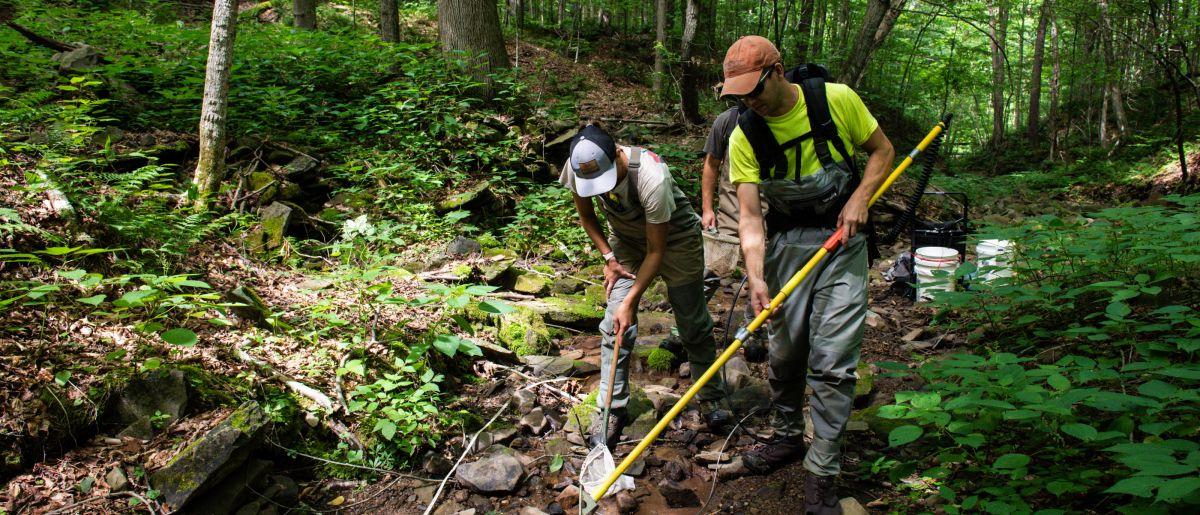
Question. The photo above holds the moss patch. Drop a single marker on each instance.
(660, 359)
(523, 332)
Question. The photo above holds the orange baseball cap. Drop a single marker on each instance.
(744, 63)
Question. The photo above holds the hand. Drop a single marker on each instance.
(613, 271)
(622, 320)
(708, 220)
(853, 216)
(760, 298)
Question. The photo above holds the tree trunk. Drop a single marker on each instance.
(998, 33)
(688, 101)
(878, 22)
(305, 14)
(1112, 75)
(473, 27)
(1014, 81)
(1035, 77)
(842, 29)
(389, 21)
(210, 166)
(1052, 122)
(660, 41)
(804, 32)
(818, 38)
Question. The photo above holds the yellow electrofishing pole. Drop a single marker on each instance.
(831, 245)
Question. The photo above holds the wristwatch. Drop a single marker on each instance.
(608, 256)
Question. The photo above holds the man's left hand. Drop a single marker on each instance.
(853, 216)
(623, 318)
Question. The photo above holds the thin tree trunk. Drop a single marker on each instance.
(689, 102)
(305, 14)
(842, 29)
(1112, 75)
(389, 20)
(660, 41)
(1052, 123)
(1015, 79)
(818, 39)
(804, 39)
(210, 166)
(1035, 76)
(472, 27)
(998, 34)
(912, 55)
(878, 22)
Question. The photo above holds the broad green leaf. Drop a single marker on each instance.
(495, 307)
(1011, 461)
(556, 463)
(1191, 373)
(1083, 432)
(904, 434)
(73, 274)
(1118, 310)
(1177, 489)
(62, 377)
(1157, 428)
(94, 300)
(354, 366)
(180, 336)
(195, 284)
(1138, 486)
(1058, 382)
(151, 364)
(1157, 389)
(480, 289)
(386, 427)
(973, 440)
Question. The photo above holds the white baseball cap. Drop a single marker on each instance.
(593, 161)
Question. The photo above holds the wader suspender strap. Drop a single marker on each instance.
(635, 166)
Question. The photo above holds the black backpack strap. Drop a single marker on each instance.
(772, 162)
(824, 130)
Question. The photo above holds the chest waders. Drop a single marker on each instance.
(831, 245)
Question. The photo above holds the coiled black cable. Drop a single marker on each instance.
(927, 161)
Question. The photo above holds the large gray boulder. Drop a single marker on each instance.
(497, 472)
(82, 58)
(156, 398)
(207, 461)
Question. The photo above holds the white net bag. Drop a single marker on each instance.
(596, 467)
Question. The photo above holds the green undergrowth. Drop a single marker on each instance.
(1081, 387)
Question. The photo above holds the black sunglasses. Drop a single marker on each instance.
(762, 84)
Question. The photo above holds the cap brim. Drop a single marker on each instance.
(740, 84)
(599, 185)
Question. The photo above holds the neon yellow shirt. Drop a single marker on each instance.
(854, 122)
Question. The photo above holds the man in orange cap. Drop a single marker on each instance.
(815, 335)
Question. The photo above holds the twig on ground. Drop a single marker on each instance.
(350, 465)
(466, 451)
(568, 396)
(114, 495)
(717, 473)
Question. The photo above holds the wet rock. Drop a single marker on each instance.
(555, 509)
(583, 367)
(526, 401)
(637, 468)
(207, 461)
(535, 421)
(641, 426)
(626, 502)
(549, 365)
(674, 471)
(737, 372)
(530, 510)
(116, 479)
(463, 246)
(568, 498)
(462, 495)
(707, 457)
(282, 490)
(677, 495)
(498, 472)
(436, 465)
(685, 370)
(731, 469)
(302, 168)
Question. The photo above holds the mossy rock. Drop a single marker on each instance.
(596, 295)
(866, 380)
(575, 311)
(660, 359)
(462, 200)
(567, 285)
(531, 284)
(211, 457)
(591, 406)
(262, 181)
(496, 267)
(524, 332)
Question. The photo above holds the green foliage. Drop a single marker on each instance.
(1090, 385)
(660, 359)
(546, 223)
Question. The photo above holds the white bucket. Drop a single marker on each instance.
(929, 260)
(995, 254)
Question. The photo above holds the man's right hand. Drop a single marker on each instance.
(708, 220)
(613, 271)
(760, 298)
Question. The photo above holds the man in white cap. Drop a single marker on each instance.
(653, 232)
(816, 334)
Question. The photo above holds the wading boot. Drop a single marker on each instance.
(774, 454)
(617, 420)
(820, 495)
